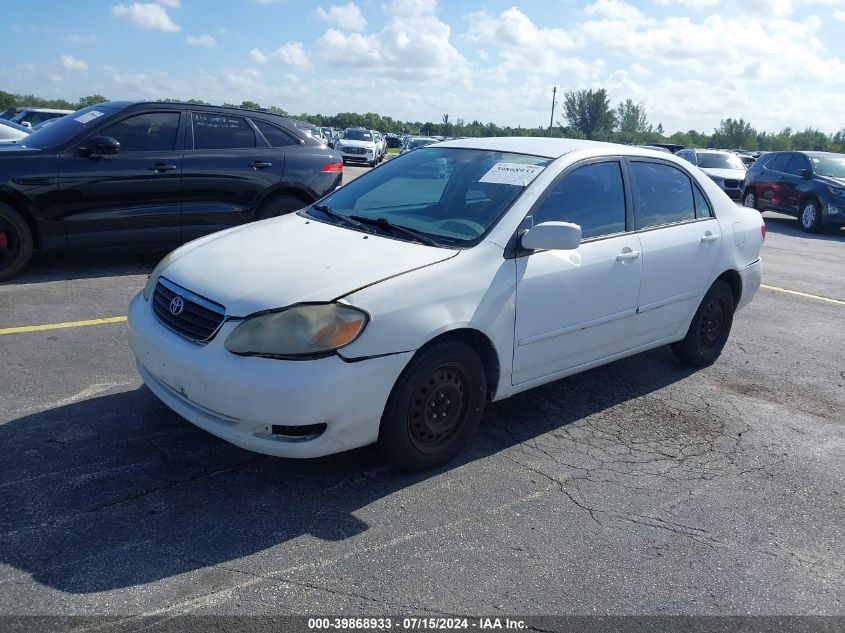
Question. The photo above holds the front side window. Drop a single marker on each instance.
(779, 163)
(592, 197)
(221, 131)
(663, 194)
(148, 132)
(453, 196)
(796, 164)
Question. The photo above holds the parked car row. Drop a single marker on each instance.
(31, 117)
(132, 173)
(359, 145)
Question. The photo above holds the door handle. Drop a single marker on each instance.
(260, 164)
(159, 167)
(626, 255)
(710, 237)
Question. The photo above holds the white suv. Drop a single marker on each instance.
(358, 145)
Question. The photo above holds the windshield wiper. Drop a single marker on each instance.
(384, 223)
(339, 216)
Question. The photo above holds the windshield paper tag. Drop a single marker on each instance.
(517, 174)
(89, 116)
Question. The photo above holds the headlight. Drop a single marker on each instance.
(303, 330)
(152, 280)
(837, 192)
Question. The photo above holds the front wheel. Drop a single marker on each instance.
(372, 163)
(810, 216)
(709, 329)
(15, 242)
(435, 407)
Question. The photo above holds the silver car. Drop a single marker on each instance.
(724, 168)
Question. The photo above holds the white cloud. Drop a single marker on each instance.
(72, 63)
(345, 16)
(839, 15)
(148, 16)
(613, 10)
(258, 56)
(80, 39)
(415, 44)
(202, 40)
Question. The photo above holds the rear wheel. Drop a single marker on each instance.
(749, 199)
(280, 205)
(810, 216)
(709, 329)
(435, 407)
(15, 242)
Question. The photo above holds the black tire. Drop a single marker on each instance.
(749, 199)
(279, 205)
(372, 163)
(810, 216)
(15, 242)
(709, 329)
(435, 407)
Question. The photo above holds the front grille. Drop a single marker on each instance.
(355, 150)
(198, 320)
(731, 184)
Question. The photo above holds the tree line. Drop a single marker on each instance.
(587, 114)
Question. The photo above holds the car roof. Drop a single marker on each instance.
(546, 147)
(119, 105)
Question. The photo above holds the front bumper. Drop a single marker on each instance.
(240, 399)
(834, 213)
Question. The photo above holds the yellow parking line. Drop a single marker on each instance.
(803, 294)
(60, 326)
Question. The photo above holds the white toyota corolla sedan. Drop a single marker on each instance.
(393, 309)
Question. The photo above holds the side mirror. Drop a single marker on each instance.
(805, 174)
(552, 236)
(101, 146)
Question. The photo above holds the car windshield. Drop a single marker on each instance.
(420, 142)
(66, 127)
(453, 196)
(830, 166)
(715, 160)
(357, 135)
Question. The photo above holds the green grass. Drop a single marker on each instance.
(392, 150)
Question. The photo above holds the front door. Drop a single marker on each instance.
(575, 307)
(130, 197)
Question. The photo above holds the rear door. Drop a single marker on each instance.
(227, 168)
(131, 197)
(681, 241)
(795, 186)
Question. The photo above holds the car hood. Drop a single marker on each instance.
(292, 259)
(830, 180)
(13, 149)
(735, 174)
(343, 141)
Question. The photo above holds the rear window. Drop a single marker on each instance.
(221, 131)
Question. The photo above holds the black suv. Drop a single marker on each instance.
(809, 185)
(124, 173)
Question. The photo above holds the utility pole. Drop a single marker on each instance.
(552, 119)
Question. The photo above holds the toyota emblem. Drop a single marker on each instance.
(177, 304)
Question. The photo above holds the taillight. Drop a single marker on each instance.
(763, 230)
(333, 167)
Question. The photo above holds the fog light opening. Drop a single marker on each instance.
(298, 433)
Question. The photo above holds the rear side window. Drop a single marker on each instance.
(220, 131)
(274, 135)
(149, 132)
(702, 208)
(797, 163)
(591, 196)
(663, 194)
(780, 162)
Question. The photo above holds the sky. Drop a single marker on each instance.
(775, 63)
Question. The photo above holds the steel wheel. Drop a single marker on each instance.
(712, 324)
(438, 407)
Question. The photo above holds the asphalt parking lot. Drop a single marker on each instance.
(639, 487)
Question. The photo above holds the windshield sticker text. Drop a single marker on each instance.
(89, 116)
(517, 174)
